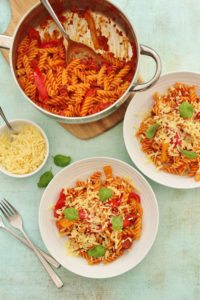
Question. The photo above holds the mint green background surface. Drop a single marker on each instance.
(172, 268)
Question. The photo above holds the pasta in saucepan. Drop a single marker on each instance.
(76, 89)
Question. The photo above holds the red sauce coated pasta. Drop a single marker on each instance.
(170, 135)
(101, 216)
(77, 89)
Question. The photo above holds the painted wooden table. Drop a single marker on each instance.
(172, 268)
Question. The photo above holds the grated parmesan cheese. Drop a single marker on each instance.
(24, 152)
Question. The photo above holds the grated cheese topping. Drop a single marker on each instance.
(174, 129)
(22, 152)
(174, 147)
(95, 227)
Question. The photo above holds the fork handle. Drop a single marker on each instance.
(47, 267)
(49, 258)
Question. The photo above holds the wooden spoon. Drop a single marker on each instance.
(74, 49)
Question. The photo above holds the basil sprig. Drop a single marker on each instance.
(188, 154)
(71, 213)
(151, 131)
(97, 251)
(45, 179)
(117, 223)
(186, 110)
(105, 194)
(61, 160)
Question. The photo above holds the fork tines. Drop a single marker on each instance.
(6, 208)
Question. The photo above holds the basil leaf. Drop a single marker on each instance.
(105, 194)
(188, 154)
(186, 110)
(97, 251)
(151, 131)
(45, 179)
(71, 213)
(62, 160)
(117, 223)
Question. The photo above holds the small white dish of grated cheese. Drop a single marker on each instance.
(25, 153)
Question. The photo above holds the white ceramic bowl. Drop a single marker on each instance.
(56, 245)
(141, 104)
(16, 124)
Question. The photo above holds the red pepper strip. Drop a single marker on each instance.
(129, 220)
(83, 213)
(39, 81)
(60, 203)
(34, 34)
(115, 202)
(126, 244)
(175, 141)
(135, 196)
(49, 44)
(126, 223)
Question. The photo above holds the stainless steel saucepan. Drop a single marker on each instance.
(125, 29)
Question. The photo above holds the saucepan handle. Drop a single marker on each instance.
(145, 50)
(5, 41)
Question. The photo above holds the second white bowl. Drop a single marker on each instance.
(141, 104)
(56, 245)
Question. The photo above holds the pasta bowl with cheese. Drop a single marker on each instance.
(23, 151)
(98, 217)
(162, 131)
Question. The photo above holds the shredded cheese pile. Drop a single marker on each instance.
(22, 152)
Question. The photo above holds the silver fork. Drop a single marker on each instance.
(15, 219)
(48, 258)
